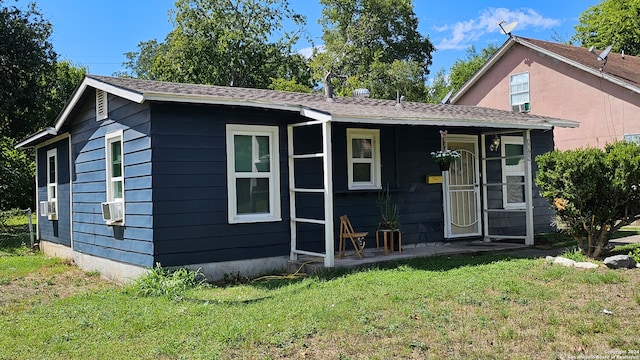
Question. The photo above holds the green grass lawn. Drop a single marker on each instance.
(460, 307)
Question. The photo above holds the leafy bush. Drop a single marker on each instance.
(595, 192)
(635, 254)
(162, 282)
(16, 177)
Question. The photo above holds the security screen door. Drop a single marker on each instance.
(462, 189)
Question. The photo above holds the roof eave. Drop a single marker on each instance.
(36, 138)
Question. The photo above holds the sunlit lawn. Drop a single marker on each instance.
(484, 307)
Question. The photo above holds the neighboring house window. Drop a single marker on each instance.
(519, 92)
(363, 159)
(253, 173)
(632, 138)
(513, 172)
(52, 178)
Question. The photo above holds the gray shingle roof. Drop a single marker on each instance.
(342, 109)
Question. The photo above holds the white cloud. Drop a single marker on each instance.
(464, 33)
(308, 51)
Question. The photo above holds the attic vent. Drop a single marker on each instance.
(102, 111)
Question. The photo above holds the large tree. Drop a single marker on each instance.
(611, 22)
(225, 42)
(463, 69)
(27, 65)
(373, 44)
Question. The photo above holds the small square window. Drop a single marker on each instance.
(363, 159)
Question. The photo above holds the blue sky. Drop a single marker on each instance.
(97, 33)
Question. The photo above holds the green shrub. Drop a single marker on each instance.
(635, 254)
(162, 282)
(594, 192)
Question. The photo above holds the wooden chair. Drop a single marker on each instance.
(347, 232)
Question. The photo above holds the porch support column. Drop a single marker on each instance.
(328, 194)
(528, 188)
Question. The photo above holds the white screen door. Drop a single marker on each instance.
(461, 187)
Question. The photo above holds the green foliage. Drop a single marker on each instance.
(574, 253)
(27, 65)
(16, 177)
(389, 216)
(162, 282)
(595, 192)
(463, 70)
(610, 22)
(373, 44)
(221, 42)
(291, 85)
(635, 254)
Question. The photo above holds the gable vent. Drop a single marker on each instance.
(102, 111)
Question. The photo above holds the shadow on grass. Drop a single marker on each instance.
(429, 263)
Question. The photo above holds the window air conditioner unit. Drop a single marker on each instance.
(520, 108)
(48, 209)
(112, 211)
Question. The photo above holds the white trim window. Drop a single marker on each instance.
(519, 90)
(52, 177)
(363, 159)
(253, 173)
(632, 138)
(114, 157)
(513, 191)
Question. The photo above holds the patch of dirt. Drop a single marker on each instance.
(23, 292)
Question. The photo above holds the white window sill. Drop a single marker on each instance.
(254, 219)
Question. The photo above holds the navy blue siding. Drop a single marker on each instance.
(133, 242)
(405, 164)
(56, 231)
(190, 187)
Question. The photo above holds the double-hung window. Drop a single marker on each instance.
(52, 179)
(519, 92)
(513, 172)
(363, 159)
(115, 167)
(253, 173)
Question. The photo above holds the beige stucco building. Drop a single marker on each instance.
(562, 81)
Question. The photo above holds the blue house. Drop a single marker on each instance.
(139, 172)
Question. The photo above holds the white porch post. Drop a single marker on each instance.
(292, 196)
(483, 181)
(328, 194)
(528, 188)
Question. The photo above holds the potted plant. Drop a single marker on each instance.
(444, 158)
(389, 216)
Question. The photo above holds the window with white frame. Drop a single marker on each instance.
(632, 138)
(253, 173)
(115, 166)
(513, 172)
(363, 159)
(519, 90)
(52, 177)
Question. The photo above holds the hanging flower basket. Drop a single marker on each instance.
(444, 158)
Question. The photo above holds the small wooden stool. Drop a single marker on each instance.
(384, 239)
